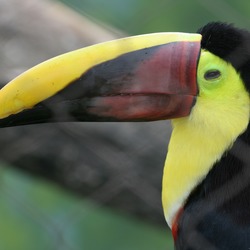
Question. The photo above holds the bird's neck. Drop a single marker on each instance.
(218, 209)
(193, 150)
(227, 185)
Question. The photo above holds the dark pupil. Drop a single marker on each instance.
(212, 74)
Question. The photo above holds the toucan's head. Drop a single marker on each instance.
(201, 81)
(142, 78)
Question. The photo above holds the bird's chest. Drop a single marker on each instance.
(201, 229)
(216, 215)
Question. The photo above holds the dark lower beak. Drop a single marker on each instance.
(144, 78)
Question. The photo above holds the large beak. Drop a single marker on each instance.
(141, 78)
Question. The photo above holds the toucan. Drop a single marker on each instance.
(200, 81)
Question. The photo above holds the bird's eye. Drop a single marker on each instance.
(212, 74)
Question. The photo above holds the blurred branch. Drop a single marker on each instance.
(119, 165)
(37, 30)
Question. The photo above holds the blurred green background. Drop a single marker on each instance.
(36, 215)
(43, 216)
(144, 16)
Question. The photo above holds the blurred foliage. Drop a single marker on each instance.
(144, 16)
(39, 215)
